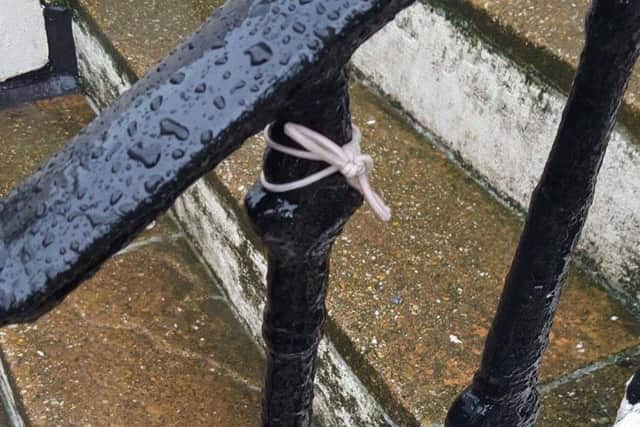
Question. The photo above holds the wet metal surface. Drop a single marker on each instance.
(149, 340)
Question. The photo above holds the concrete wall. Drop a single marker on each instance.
(501, 121)
(23, 40)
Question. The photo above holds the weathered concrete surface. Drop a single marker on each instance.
(150, 340)
(23, 40)
(500, 120)
(403, 295)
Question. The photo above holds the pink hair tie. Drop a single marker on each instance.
(348, 160)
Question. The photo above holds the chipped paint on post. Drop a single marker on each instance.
(454, 84)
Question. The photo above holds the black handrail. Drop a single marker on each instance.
(242, 68)
(255, 62)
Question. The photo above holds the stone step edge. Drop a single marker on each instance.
(341, 397)
(537, 59)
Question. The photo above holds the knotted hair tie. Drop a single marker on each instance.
(346, 159)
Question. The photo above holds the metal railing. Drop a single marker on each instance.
(255, 62)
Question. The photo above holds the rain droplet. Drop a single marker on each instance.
(153, 183)
(115, 197)
(177, 154)
(219, 102)
(48, 238)
(334, 15)
(156, 103)
(132, 128)
(177, 78)
(299, 27)
(42, 209)
(259, 53)
(217, 44)
(238, 86)
(206, 137)
(147, 155)
(201, 88)
(222, 60)
(171, 127)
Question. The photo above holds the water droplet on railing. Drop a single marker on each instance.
(206, 137)
(152, 183)
(259, 53)
(171, 127)
(132, 129)
(48, 239)
(201, 88)
(42, 209)
(299, 27)
(219, 102)
(147, 155)
(156, 103)
(334, 15)
(177, 78)
(115, 197)
(238, 86)
(218, 44)
(222, 60)
(177, 154)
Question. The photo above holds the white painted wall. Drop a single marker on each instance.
(23, 40)
(502, 123)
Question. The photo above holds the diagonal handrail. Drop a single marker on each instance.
(221, 85)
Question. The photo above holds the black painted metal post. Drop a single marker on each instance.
(503, 390)
(298, 229)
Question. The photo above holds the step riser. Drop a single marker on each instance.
(500, 121)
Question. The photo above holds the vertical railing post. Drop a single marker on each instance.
(503, 390)
(298, 228)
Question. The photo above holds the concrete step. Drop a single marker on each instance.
(410, 302)
(149, 340)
